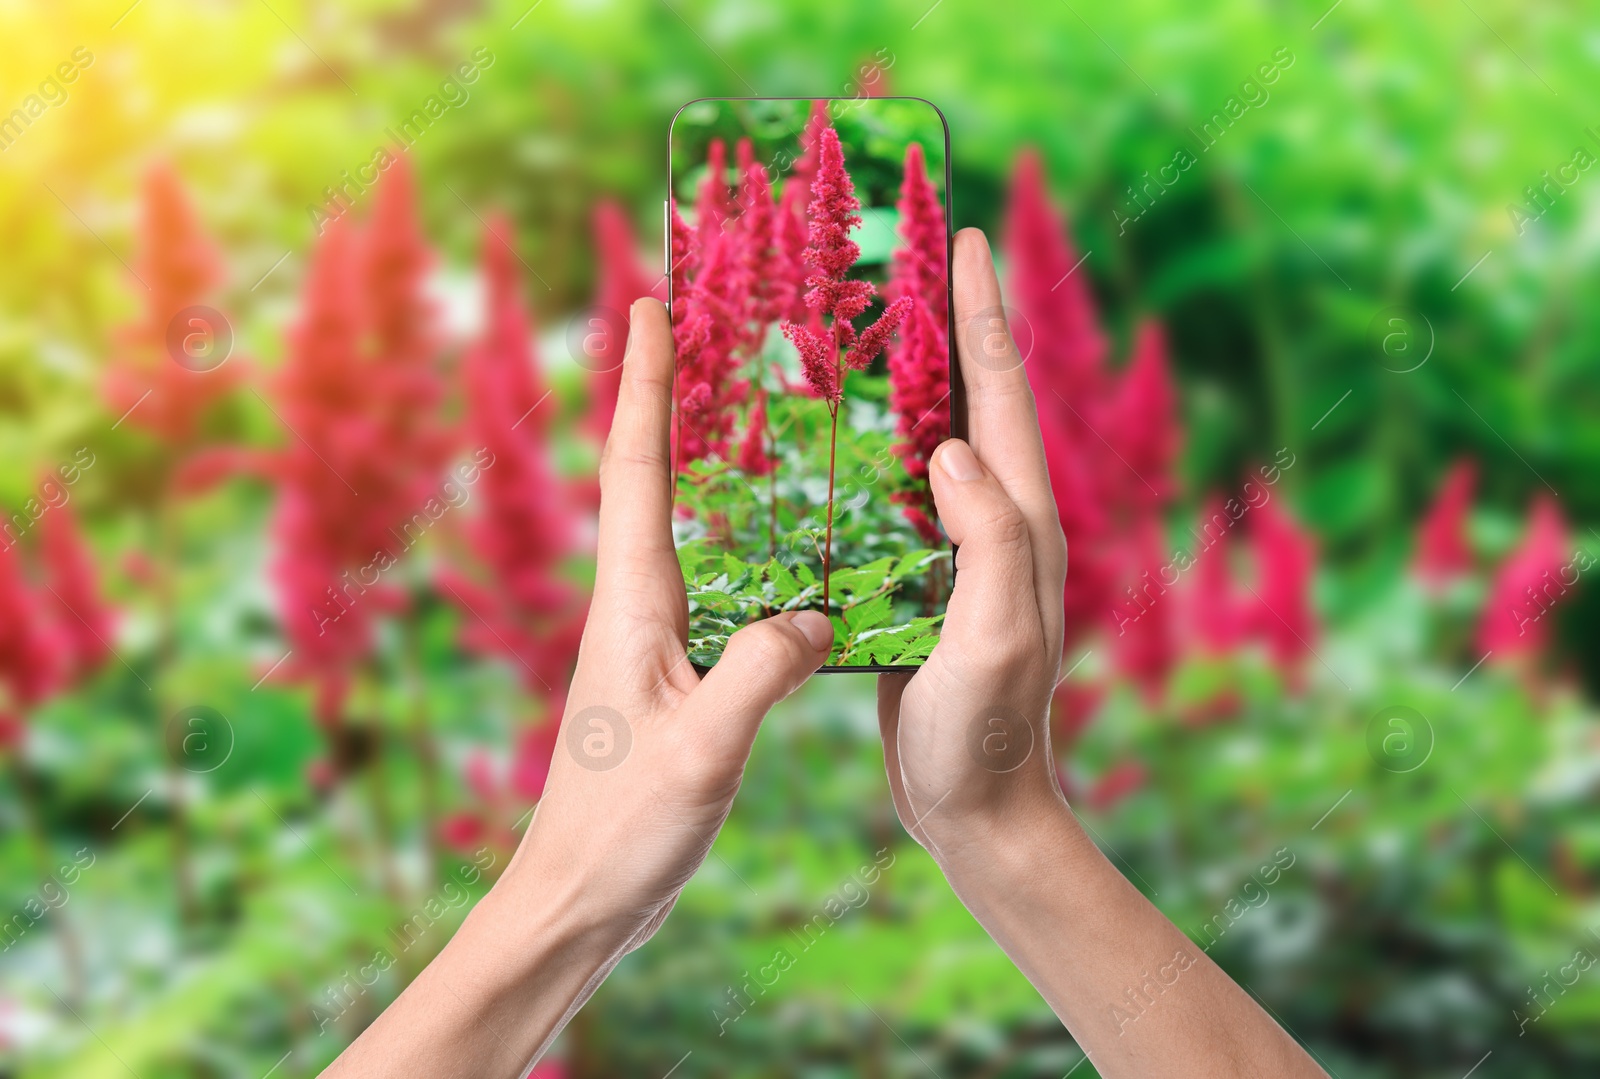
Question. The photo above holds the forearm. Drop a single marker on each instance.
(1138, 995)
(496, 995)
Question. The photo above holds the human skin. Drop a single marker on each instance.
(609, 849)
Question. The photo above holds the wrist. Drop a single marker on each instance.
(1034, 843)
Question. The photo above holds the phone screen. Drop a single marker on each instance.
(808, 257)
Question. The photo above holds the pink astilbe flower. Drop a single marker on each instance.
(816, 362)
(805, 167)
(1066, 371)
(179, 268)
(875, 338)
(1534, 577)
(790, 239)
(1217, 618)
(1443, 553)
(72, 587)
(321, 525)
(920, 263)
(1121, 781)
(754, 457)
(33, 653)
(919, 366)
(622, 280)
(712, 203)
(831, 254)
(764, 288)
(1146, 646)
(706, 385)
(1054, 297)
(919, 390)
(1284, 554)
(525, 526)
(1144, 424)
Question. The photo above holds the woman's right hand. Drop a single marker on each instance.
(966, 741)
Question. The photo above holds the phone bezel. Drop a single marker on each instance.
(957, 397)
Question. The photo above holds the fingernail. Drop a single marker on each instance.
(957, 461)
(816, 627)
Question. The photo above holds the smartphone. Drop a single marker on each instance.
(808, 260)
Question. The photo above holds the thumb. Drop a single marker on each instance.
(763, 663)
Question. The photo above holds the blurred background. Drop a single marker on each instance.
(302, 399)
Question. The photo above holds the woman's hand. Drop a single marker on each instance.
(650, 754)
(965, 738)
(648, 761)
(967, 746)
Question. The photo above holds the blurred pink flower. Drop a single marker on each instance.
(179, 268)
(789, 235)
(1284, 554)
(711, 204)
(760, 260)
(1146, 647)
(1534, 576)
(754, 458)
(525, 526)
(321, 389)
(73, 589)
(1443, 552)
(1120, 781)
(622, 280)
(1142, 417)
(707, 359)
(1066, 371)
(33, 653)
(1217, 616)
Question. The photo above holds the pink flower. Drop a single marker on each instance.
(919, 366)
(1143, 417)
(1216, 616)
(1532, 579)
(831, 253)
(816, 361)
(711, 206)
(919, 390)
(622, 280)
(1066, 370)
(33, 655)
(754, 459)
(1443, 552)
(875, 338)
(1119, 782)
(1146, 647)
(805, 168)
(790, 239)
(706, 383)
(760, 259)
(919, 265)
(519, 605)
(1285, 560)
(179, 268)
(73, 589)
(320, 391)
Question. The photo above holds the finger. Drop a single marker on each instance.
(762, 664)
(1002, 421)
(636, 554)
(994, 612)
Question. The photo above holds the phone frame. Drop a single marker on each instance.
(958, 394)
